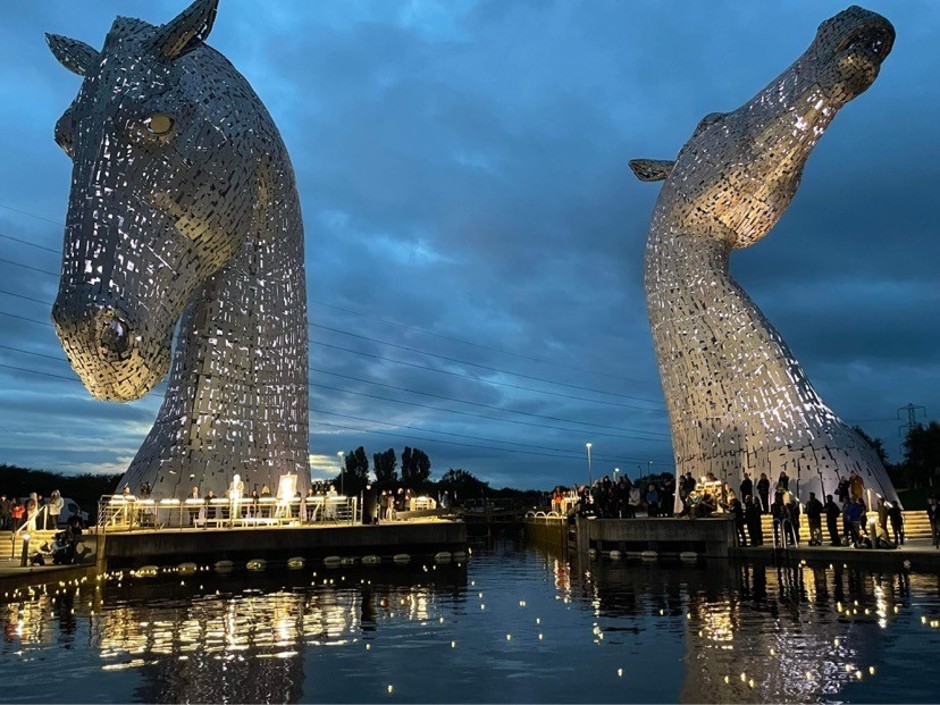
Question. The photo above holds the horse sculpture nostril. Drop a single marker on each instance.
(114, 337)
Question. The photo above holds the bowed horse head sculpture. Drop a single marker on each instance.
(738, 399)
(183, 212)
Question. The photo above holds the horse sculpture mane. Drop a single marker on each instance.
(183, 212)
(738, 400)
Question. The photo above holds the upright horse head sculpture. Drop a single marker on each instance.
(738, 400)
(184, 211)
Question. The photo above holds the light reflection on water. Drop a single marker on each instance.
(516, 625)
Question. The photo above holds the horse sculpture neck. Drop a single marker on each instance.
(236, 400)
(738, 400)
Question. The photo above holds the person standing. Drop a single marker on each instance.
(763, 492)
(747, 487)
(843, 492)
(814, 512)
(856, 486)
(54, 510)
(854, 511)
(6, 518)
(737, 511)
(752, 514)
(652, 501)
(896, 517)
(933, 514)
(832, 520)
(32, 511)
(783, 482)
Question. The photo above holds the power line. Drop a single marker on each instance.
(31, 215)
(435, 408)
(479, 416)
(423, 352)
(472, 403)
(487, 367)
(386, 320)
(439, 371)
(573, 454)
(464, 341)
(31, 244)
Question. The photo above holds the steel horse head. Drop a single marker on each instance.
(183, 210)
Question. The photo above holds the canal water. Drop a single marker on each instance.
(516, 623)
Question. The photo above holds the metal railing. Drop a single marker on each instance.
(36, 522)
(127, 512)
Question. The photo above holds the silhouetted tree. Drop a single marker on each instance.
(463, 485)
(355, 475)
(385, 464)
(415, 468)
(922, 453)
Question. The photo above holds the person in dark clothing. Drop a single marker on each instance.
(793, 514)
(752, 518)
(747, 487)
(737, 512)
(763, 492)
(854, 513)
(814, 512)
(933, 515)
(783, 482)
(832, 520)
(842, 491)
(668, 498)
(896, 517)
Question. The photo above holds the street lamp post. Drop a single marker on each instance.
(616, 472)
(342, 472)
(590, 478)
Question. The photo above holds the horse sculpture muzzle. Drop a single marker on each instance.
(102, 342)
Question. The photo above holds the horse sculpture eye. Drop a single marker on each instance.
(159, 124)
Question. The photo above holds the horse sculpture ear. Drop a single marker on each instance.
(74, 55)
(187, 31)
(651, 169)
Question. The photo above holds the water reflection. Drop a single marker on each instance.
(551, 631)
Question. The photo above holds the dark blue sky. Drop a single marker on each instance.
(474, 237)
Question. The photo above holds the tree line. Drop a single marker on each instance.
(414, 472)
(920, 465)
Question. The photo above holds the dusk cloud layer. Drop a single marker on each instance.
(474, 237)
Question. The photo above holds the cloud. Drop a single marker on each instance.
(462, 169)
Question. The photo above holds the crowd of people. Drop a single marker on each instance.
(846, 515)
(35, 511)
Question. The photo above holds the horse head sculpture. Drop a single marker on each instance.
(183, 210)
(738, 400)
(740, 170)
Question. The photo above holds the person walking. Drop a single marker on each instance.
(814, 512)
(832, 520)
(933, 514)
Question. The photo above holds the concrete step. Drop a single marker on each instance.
(916, 525)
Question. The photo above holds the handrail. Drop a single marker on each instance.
(128, 512)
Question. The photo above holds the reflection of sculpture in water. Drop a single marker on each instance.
(738, 400)
(183, 209)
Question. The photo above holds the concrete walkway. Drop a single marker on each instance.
(916, 554)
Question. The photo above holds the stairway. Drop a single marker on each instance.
(11, 545)
(916, 526)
